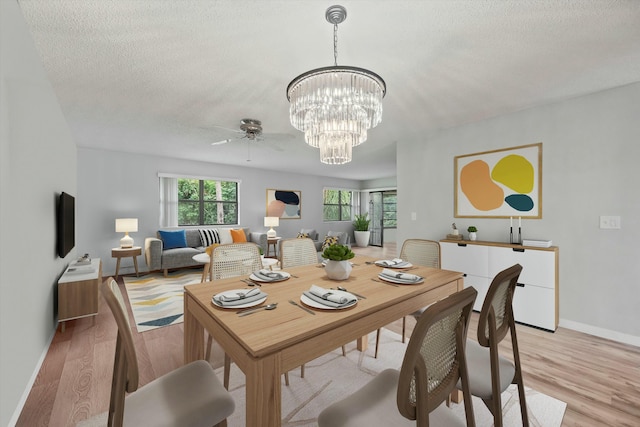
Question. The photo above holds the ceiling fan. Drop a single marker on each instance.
(251, 130)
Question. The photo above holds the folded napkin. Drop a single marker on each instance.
(396, 262)
(268, 275)
(328, 297)
(399, 275)
(238, 297)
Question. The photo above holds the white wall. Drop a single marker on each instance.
(121, 185)
(37, 162)
(591, 148)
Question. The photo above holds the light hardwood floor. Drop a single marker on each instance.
(599, 379)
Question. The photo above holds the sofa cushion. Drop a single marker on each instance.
(238, 236)
(209, 236)
(173, 238)
(328, 241)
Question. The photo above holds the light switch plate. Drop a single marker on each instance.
(610, 222)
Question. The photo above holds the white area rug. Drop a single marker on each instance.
(332, 376)
(158, 301)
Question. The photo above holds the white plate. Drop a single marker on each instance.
(258, 279)
(406, 264)
(315, 304)
(399, 281)
(247, 305)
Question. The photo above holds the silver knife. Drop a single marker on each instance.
(304, 308)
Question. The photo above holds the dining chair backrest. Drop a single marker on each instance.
(497, 309)
(421, 252)
(435, 358)
(296, 252)
(235, 259)
(125, 370)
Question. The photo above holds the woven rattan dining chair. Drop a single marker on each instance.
(489, 373)
(232, 260)
(296, 252)
(206, 270)
(433, 363)
(191, 395)
(418, 252)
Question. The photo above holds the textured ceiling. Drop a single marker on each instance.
(166, 77)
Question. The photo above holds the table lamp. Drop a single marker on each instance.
(126, 225)
(271, 221)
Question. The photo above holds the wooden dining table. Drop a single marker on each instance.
(268, 343)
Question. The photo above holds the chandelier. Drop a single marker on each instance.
(334, 106)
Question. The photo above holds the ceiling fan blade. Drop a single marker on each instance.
(224, 141)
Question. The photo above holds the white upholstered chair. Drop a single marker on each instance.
(190, 396)
(433, 363)
(418, 252)
(489, 373)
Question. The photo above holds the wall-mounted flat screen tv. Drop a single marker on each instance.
(66, 221)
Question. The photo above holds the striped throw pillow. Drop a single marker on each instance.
(209, 236)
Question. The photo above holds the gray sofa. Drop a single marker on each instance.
(158, 258)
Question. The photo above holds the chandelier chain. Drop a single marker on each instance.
(335, 44)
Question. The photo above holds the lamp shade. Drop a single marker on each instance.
(271, 221)
(125, 225)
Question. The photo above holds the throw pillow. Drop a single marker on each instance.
(172, 239)
(303, 235)
(328, 241)
(341, 235)
(238, 236)
(209, 236)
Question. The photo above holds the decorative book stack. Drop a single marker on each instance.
(454, 236)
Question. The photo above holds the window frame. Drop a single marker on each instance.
(353, 205)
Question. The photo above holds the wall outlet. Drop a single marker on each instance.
(414, 216)
(608, 222)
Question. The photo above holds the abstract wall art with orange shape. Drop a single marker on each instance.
(499, 183)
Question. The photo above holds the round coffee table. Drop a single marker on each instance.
(269, 262)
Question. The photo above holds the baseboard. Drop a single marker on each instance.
(601, 332)
(16, 414)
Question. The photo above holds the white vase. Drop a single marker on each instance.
(362, 238)
(338, 270)
(472, 235)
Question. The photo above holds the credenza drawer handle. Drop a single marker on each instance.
(518, 249)
(520, 285)
(463, 245)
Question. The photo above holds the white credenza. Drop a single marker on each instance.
(535, 301)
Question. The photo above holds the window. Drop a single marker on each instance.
(337, 205)
(207, 202)
(389, 214)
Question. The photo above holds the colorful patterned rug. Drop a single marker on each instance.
(156, 300)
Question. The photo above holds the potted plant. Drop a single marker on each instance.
(362, 233)
(338, 266)
(472, 232)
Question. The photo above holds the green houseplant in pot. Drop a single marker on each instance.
(361, 229)
(472, 232)
(338, 266)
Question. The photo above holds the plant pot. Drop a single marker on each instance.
(362, 238)
(338, 270)
(472, 235)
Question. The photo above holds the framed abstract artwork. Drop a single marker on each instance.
(499, 184)
(285, 204)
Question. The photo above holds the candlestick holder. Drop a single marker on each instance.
(519, 235)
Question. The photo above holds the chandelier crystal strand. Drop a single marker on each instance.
(335, 106)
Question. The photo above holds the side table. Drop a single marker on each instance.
(120, 253)
(272, 242)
